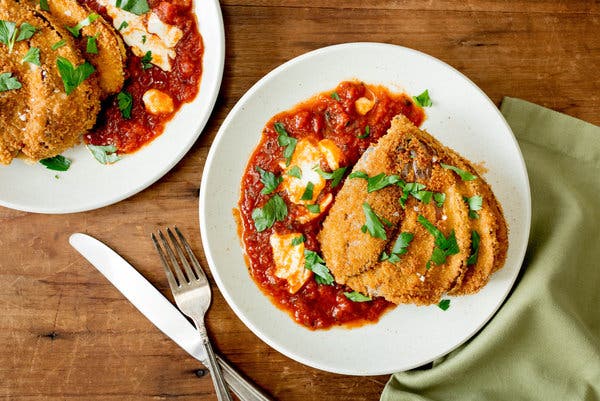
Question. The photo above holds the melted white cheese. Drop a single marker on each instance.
(289, 260)
(145, 33)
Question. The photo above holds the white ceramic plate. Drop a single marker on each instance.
(462, 117)
(88, 184)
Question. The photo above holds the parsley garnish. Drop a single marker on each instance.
(366, 134)
(32, 56)
(423, 99)
(77, 28)
(298, 240)
(57, 163)
(400, 248)
(137, 7)
(423, 196)
(125, 101)
(377, 182)
(105, 154)
(9, 33)
(144, 39)
(373, 225)
(72, 76)
(294, 171)
(439, 198)
(8, 82)
(355, 296)
(314, 208)
(59, 44)
(335, 96)
(314, 263)
(269, 180)
(475, 202)
(147, 60)
(44, 5)
(274, 210)
(335, 176)
(91, 46)
(474, 248)
(416, 189)
(308, 192)
(124, 25)
(444, 304)
(284, 139)
(464, 175)
(444, 247)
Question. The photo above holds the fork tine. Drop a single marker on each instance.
(172, 259)
(182, 258)
(170, 278)
(197, 267)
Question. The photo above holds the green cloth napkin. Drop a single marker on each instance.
(544, 343)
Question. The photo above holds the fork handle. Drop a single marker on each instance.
(221, 389)
(241, 387)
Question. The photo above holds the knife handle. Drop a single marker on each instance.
(245, 390)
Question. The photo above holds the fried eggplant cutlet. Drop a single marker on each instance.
(109, 58)
(41, 120)
(406, 226)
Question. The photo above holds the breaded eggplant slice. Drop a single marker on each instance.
(54, 121)
(111, 57)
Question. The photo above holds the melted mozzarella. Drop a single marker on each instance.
(158, 102)
(146, 33)
(306, 156)
(289, 260)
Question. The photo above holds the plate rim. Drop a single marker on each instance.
(520, 251)
(213, 91)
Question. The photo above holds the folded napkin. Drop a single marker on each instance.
(544, 343)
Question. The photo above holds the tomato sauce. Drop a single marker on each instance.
(181, 83)
(330, 115)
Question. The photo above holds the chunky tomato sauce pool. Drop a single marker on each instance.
(181, 83)
(289, 184)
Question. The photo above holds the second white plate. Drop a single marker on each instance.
(462, 117)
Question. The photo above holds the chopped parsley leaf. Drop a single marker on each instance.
(335, 96)
(9, 33)
(274, 210)
(366, 134)
(464, 175)
(91, 46)
(439, 198)
(298, 240)
(105, 154)
(44, 5)
(56, 163)
(73, 76)
(359, 174)
(144, 39)
(147, 60)
(335, 176)
(284, 139)
(400, 248)
(444, 247)
(355, 296)
(32, 56)
(423, 99)
(378, 181)
(308, 192)
(415, 189)
(269, 180)
(423, 196)
(314, 263)
(474, 248)
(373, 225)
(123, 25)
(314, 208)
(295, 171)
(125, 101)
(137, 7)
(8, 82)
(75, 30)
(475, 202)
(59, 44)
(444, 304)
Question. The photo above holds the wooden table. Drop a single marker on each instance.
(67, 334)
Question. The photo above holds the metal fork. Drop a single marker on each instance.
(192, 295)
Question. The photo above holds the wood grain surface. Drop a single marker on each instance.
(67, 334)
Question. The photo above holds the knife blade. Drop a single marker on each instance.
(156, 308)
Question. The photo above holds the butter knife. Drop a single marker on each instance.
(152, 304)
